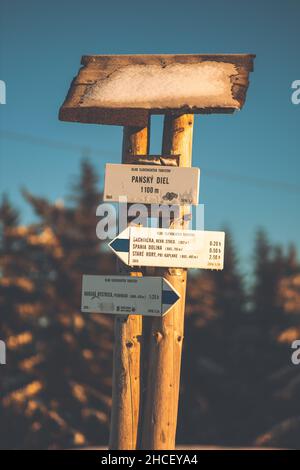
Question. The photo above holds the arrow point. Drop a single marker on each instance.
(120, 245)
(169, 295)
(113, 244)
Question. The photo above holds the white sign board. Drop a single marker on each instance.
(139, 246)
(151, 184)
(127, 295)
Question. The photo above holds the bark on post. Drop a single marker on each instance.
(166, 339)
(128, 332)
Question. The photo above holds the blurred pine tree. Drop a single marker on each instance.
(58, 373)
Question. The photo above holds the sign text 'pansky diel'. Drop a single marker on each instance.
(151, 184)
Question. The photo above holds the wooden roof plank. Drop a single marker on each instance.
(126, 89)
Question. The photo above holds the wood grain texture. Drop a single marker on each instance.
(128, 333)
(166, 337)
(126, 89)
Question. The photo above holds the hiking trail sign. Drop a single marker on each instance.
(140, 246)
(151, 184)
(127, 295)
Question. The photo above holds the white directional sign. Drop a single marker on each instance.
(127, 295)
(139, 246)
(151, 184)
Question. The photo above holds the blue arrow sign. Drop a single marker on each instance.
(120, 245)
(169, 297)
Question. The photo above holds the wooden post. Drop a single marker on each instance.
(128, 332)
(166, 338)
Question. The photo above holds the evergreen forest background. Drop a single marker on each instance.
(239, 386)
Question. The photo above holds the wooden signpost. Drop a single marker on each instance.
(126, 90)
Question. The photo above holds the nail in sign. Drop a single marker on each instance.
(151, 184)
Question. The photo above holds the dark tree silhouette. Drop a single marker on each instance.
(62, 393)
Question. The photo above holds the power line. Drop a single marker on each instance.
(254, 181)
(54, 144)
(85, 150)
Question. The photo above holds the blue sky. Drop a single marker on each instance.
(41, 44)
